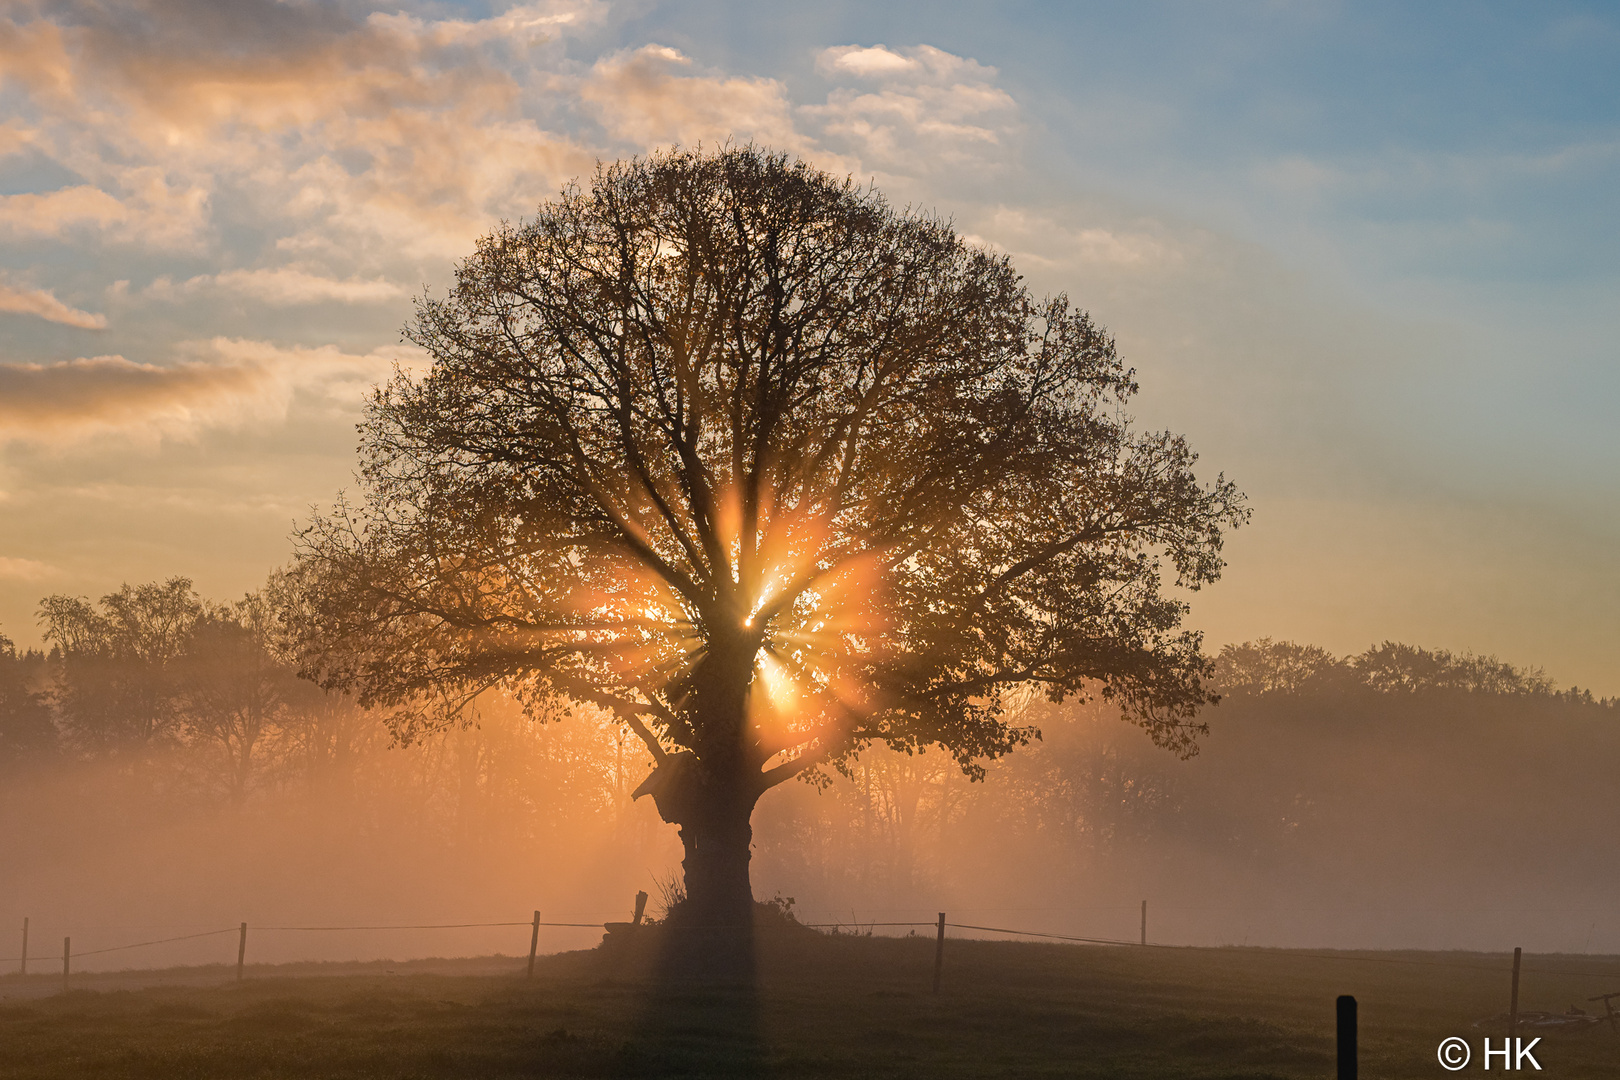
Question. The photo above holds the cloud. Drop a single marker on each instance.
(72, 397)
(930, 110)
(524, 25)
(653, 96)
(54, 212)
(34, 55)
(42, 303)
(151, 211)
(357, 143)
(872, 61)
(232, 382)
(335, 380)
(377, 138)
(920, 63)
(280, 287)
(1036, 239)
(25, 569)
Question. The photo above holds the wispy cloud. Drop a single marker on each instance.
(523, 25)
(919, 63)
(72, 397)
(144, 206)
(53, 213)
(1036, 239)
(43, 303)
(915, 111)
(369, 139)
(280, 287)
(230, 382)
(12, 569)
(656, 95)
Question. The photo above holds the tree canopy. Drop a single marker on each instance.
(773, 471)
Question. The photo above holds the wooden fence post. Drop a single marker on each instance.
(24, 970)
(67, 953)
(1144, 922)
(641, 908)
(939, 952)
(1513, 1007)
(1347, 1037)
(534, 943)
(1608, 1008)
(241, 953)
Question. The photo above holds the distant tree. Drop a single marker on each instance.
(1267, 666)
(774, 472)
(117, 688)
(27, 733)
(234, 687)
(1393, 666)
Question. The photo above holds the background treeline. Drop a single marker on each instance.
(162, 761)
(197, 704)
(1398, 797)
(163, 755)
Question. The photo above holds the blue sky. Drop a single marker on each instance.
(1365, 255)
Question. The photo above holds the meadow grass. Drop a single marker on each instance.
(823, 1007)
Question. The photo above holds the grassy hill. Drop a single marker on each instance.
(820, 1007)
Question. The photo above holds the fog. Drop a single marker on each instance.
(1398, 799)
(1334, 816)
(483, 825)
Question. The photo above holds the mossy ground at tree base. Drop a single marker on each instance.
(838, 1007)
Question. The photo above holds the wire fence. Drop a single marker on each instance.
(855, 926)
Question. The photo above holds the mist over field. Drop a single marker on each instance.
(771, 540)
(1398, 799)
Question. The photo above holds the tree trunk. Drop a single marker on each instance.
(710, 792)
(713, 808)
(718, 842)
(711, 933)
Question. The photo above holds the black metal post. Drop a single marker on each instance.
(1513, 1004)
(1347, 1037)
(939, 952)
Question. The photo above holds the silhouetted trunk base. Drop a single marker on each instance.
(681, 950)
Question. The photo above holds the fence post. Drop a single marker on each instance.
(24, 970)
(939, 952)
(1513, 1007)
(1347, 1037)
(534, 943)
(241, 953)
(67, 952)
(1144, 922)
(641, 908)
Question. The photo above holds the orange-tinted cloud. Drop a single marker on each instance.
(233, 382)
(12, 569)
(653, 95)
(382, 136)
(43, 303)
(53, 212)
(280, 287)
(112, 392)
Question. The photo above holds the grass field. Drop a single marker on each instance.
(823, 1007)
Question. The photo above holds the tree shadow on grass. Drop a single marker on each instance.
(699, 1015)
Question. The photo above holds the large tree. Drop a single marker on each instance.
(772, 471)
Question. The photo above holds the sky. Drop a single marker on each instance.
(1366, 256)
